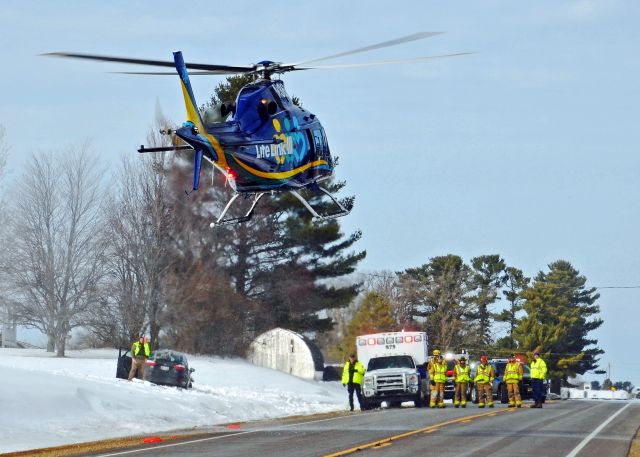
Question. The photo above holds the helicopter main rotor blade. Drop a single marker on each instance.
(384, 44)
(381, 62)
(224, 69)
(173, 73)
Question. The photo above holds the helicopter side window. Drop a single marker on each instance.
(276, 98)
(267, 108)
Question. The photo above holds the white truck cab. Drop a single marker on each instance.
(395, 368)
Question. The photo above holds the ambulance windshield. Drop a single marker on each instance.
(395, 361)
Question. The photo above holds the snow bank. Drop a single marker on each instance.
(46, 401)
(569, 393)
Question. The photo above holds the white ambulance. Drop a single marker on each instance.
(395, 368)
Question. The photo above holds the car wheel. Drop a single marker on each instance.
(474, 394)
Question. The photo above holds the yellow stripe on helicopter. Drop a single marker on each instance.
(280, 174)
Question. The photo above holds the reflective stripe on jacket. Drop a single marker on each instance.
(513, 373)
(484, 374)
(358, 372)
(438, 371)
(538, 369)
(462, 373)
(136, 350)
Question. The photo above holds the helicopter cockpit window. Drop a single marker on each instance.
(317, 140)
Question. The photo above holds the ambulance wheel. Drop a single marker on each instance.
(420, 400)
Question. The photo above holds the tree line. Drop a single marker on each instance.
(456, 304)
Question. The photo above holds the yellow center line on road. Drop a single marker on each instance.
(429, 429)
(382, 445)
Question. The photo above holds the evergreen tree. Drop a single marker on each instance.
(515, 283)
(374, 315)
(559, 318)
(488, 276)
(434, 294)
(287, 265)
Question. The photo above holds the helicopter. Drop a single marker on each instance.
(263, 142)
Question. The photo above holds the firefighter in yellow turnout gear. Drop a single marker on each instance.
(437, 376)
(485, 375)
(513, 377)
(461, 378)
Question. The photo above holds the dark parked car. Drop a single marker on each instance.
(169, 368)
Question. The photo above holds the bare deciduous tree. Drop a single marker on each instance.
(139, 228)
(57, 244)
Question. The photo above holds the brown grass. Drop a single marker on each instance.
(634, 449)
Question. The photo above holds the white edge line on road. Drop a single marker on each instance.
(593, 434)
(211, 438)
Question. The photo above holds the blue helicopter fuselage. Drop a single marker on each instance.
(269, 144)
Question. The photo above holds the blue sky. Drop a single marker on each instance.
(527, 148)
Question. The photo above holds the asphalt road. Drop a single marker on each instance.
(568, 428)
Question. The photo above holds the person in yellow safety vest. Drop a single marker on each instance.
(461, 378)
(538, 375)
(140, 352)
(352, 376)
(437, 376)
(513, 378)
(485, 375)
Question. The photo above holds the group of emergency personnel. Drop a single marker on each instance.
(353, 375)
(483, 381)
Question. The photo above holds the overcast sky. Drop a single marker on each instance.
(527, 148)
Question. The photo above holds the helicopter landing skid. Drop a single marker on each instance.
(236, 220)
(221, 221)
(324, 217)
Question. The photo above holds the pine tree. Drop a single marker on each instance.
(488, 276)
(560, 314)
(515, 283)
(289, 267)
(374, 315)
(435, 296)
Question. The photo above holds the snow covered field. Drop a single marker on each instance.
(46, 401)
